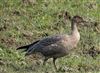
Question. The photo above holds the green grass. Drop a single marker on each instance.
(22, 23)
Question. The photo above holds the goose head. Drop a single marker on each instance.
(77, 19)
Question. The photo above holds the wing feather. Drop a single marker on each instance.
(42, 45)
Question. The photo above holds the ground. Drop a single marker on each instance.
(25, 21)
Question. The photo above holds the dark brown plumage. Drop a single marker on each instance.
(56, 46)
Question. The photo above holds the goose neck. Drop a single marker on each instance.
(74, 28)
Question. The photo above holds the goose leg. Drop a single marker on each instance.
(54, 59)
(45, 61)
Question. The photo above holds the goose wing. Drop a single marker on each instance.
(42, 45)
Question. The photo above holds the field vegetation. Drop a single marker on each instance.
(25, 21)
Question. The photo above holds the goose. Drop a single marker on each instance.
(56, 46)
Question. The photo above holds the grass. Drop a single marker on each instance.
(22, 23)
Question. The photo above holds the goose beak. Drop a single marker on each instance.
(84, 23)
